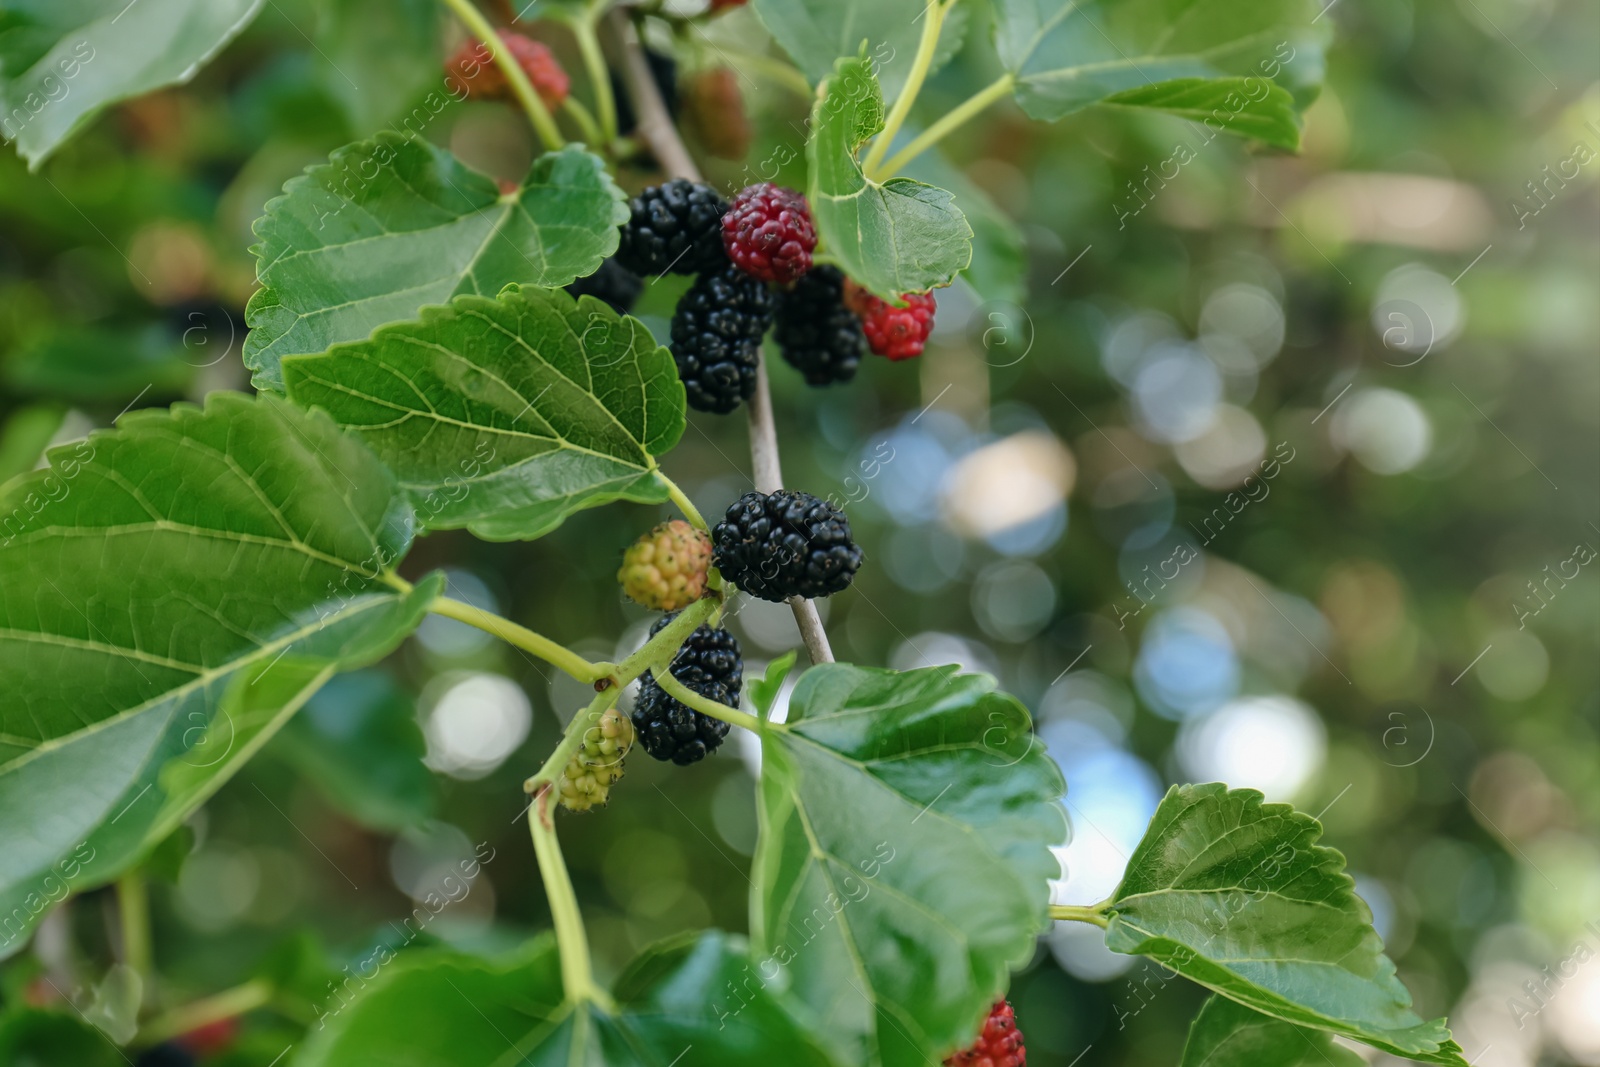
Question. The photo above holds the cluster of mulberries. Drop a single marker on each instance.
(676, 228)
(752, 262)
(751, 258)
(774, 546)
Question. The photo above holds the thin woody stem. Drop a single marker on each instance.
(655, 125)
(658, 131)
(768, 470)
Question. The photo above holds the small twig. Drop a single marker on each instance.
(657, 130)
(765, 462)
(577, 976)
(767, 469)
(654, 124)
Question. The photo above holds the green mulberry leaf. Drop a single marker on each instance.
(61, 64)
(389, 225)
(170, 592)
(1237, 895)
(898, 237)
(1245, 67)
(1227, 1034)
(904, 861)
(505, 416)
(674, 1009)
(998, 269)
(817, 33)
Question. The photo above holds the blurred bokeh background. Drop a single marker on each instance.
(1280, 471)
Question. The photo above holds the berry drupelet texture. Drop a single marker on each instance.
(783, 544)
(716, 338)
(898, 333)
(999, 1045)
(673, 228)
(665, 570)
(768, 233)
(816, 334)
(597, 764)
(613, 283)
(709, 663)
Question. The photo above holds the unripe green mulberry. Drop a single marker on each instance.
(665, 570)
(597, 765)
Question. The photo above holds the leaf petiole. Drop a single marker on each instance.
(583, 29)
(926, 47)
(705, 705)
(1094, 915)
(538, 114)
(573, 108)
(931, 136)
(685, 505)
(133, 913)
(667, 642)
(615, 677)
(559, 656)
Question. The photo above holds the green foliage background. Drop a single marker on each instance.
(1462, 790)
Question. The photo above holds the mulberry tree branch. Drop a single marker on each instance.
(657, 130)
